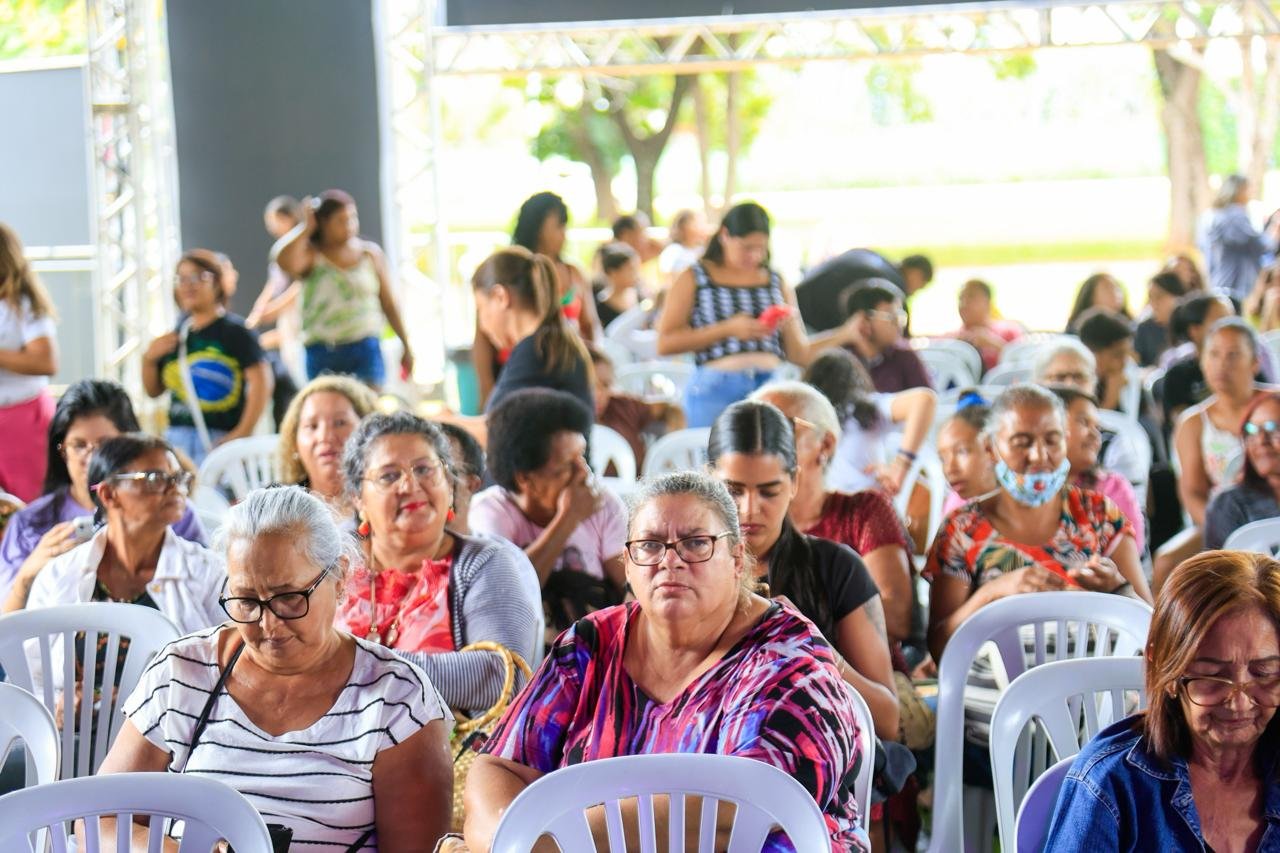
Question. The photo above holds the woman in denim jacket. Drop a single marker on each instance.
(1197, 770)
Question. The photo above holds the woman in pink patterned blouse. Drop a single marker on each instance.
(697, 663)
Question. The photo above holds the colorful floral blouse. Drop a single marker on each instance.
(969, 548)
(413, 607)
(775, 697)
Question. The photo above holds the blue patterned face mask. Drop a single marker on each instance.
(1034, 488)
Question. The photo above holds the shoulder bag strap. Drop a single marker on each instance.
(189, 385)
(202, 721)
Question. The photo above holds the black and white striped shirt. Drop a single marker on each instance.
(317, 780)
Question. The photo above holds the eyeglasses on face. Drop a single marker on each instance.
(192, 280)
(691, 549)
(1208, 691)
(284, 605)
(388, 479)
(78, 448)
(1268, 431)
(153, 482)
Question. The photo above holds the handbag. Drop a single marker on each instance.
(916, 720)
(470, 734)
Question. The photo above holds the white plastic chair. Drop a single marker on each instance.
(617, 353)
(1006, 374)
(608, 446)
(23, 717)
(1129, 431)
(1071, 701)
(211, 507)
(765, 796)
(654, 380)
(866, 770)
(242, 465)
(1260, 536)
(682, 450)
(965, 351)
(629, 330)
(1031, 829)
(1116, 625)
(1025, 350)
(38, 653)
(212, 812)
(927, 467)
(946, 369)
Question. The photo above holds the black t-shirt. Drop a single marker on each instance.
(606, 312)
(842, 574)
(218, 356)
(525, 369)
(1150, 340)
(1183, 386)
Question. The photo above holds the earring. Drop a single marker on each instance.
(450, 515)
(363, 528)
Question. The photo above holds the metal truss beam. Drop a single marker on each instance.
(694, 45)
(135, 182)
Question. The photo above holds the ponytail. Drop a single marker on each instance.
(791, 574)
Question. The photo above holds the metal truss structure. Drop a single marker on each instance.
(692, 45)
(135, 181)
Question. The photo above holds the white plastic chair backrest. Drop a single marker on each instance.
(1009, 374)
(608, 446)
(1071, 701)
(1129, 431)
(1131, 393)
(946, 369)
(212, 812)
(617, 352)
(965, 351)
(1025, 350)
(38, 653)
(1260, 536)
(1116, 625)
(654, 380)
(211, 507)
(867, 744)
(24, 717)
(1031, 828)
(1271, 340)
(765, 796)
(243, 465)
(682, 450)
(926, 468)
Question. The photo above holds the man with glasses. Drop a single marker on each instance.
(877, 319)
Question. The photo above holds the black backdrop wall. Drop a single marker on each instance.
(270, 97)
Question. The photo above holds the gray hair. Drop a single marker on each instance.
(1239, 326)
(1231, 186)
(812, 405)
(355, 457)
(294, 511)
(1017, 396)
(1064, 346)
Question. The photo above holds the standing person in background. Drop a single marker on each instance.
(688, 239)
(1233, 247)
(223, 364)
(278, 304)
(617, 289)
(979, 327)
(1099, 290)
(1151, 337)
(28, 357)
(876, 322)
(346, 293)
(541, 230)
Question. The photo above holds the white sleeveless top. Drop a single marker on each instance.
(318, 780)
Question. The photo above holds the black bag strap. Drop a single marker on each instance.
(203, 720)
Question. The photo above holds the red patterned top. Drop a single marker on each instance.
(863, 520)
(413, 607)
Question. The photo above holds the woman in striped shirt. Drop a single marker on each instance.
(334, 740)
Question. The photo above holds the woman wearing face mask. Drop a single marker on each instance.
(1256, 495)
(752, 450)
(314, 432)
(1036, 533)
(965, 461)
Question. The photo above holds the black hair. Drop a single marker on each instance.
(83, 399)
(1100, 328)
(1169, 283)
(1240, 327)
(1084, 297)
(1069, 394)
(113, 456)
(842, 379)
(757, 428)
(330, 202)
(472, 462)
(614, 256)
(355, 457)
(533, 213)
(869, 294)
(623, 224)
(921, 263)
(972, 409)
(522, 426)
(1191, 310)
(741, 220)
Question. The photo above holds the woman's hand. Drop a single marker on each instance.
(58, 540)
(745, 327)
(1034, 578)
(581, 499)
(406, 363)
(891, 477)
(161, 346)
(1098, 574)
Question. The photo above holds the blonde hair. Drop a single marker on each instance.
(18, 280)
(362, 400)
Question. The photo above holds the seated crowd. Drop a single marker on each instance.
(338, 624)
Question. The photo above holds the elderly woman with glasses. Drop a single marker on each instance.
(424, 590)
(1197, 769)
(339, 744)
(697, 663)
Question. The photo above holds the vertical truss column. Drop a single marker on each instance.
(417, 233)
(135, 181)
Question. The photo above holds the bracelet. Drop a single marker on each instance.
(910, 457)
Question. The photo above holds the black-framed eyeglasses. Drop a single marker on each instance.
(1208, 691)
(284, 605)
(691, 549)
(388, 479)
(154, 482)
(1267, 431)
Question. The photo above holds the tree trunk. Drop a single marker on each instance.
(732, 137)
(601, 179)
(1184, 147)
(646, 151)
(1267, 120)
(702, 125)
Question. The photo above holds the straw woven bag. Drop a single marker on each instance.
(470, 734)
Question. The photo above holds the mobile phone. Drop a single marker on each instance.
(82, 529)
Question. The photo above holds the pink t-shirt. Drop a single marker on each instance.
(1115, 486)
(495, 513)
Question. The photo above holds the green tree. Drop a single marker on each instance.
(34, 28)
(728, 111)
